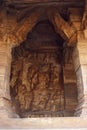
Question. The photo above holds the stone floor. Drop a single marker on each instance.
(45, 123)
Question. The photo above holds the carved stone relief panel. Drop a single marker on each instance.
(36, 84)
(36, 75)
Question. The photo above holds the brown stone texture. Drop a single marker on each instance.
(36, 80)
(5, 99)
(36, 84)
(67, 31)
(43, 82)
(26, 25)
(5, 61)
(80, 92)
(70, 85)
(80, 59)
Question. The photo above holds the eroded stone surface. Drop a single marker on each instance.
(36, 83)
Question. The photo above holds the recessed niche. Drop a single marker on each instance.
(37, 83)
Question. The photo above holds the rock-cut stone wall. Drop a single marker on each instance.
(36, 85)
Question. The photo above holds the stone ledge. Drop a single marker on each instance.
(46, 123)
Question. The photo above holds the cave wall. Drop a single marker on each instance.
(71, 92)
(43, 79)
(36, 74)
(70, 83)
(36, 87)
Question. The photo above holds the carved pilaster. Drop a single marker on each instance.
(80, 61)
(5, 66)
(7, 41)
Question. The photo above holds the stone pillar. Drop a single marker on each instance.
(80, 63)
(8, 39)
(5, 66)
(82, 46)
(70, 86)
